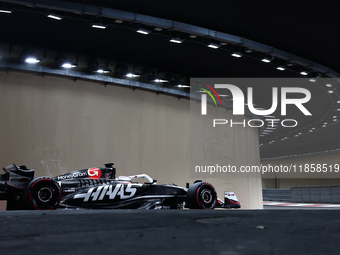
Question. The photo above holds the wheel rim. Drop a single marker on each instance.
(206, 196)
(45, 194)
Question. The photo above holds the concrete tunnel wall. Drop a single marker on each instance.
(55, 125)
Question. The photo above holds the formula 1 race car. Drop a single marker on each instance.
(99, 188)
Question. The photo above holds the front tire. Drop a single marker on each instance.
(42, 194)
(201, 195)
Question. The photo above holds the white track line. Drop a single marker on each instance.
(299, 204)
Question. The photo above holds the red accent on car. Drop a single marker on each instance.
(94, 173)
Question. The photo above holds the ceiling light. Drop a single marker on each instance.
(214, 45)
(267, 59)
(99, 25)
(289, 63)
(224, 95)
(182, 86)
(281, 68)
(32, 60)
(312, 80)
(193, 36)
(143, 31)
(55, 16)
(237, 54)
(158, 29)
(335, 116)
(132, 75)
(94, 67)
(68, 65)
(160, 80)
(5, 11)
(103, 70)
(248, 50)
(62, 62)
(118, 21)
(335, 120)
(330, 91)
(176, 40)
(338, 102)
(304, 73)
(329, 85)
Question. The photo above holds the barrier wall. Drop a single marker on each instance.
(286, 183)
(55, 125)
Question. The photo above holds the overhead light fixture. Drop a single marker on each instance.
(267, 59)
(103, 70)
(143, 31)
(94, 67)
(158, 29)
(304, 73)
(55, 16)
(312, 80)
(330, 91)
(289, 63)
(62, 62)
(68, 65)
(118, 21)
(193, 36)
(160, 80)
(328, 85)
(28, 57)
(214, 45)
(132, 75)
(248, 50)
(176, 40)
(5, 11)
(99, 25)
(281, 68)
(237, 54)
(182, 86)
(32, 60)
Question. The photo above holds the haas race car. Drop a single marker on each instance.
(99, 188)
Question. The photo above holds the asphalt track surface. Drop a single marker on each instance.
(226, 232)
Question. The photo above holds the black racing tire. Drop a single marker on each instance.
(42, 194)
(201, 195)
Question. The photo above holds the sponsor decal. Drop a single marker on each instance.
(94, 173)
(74, 175)
(110, 191)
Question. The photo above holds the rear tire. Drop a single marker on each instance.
(42, 194)
(201, 195)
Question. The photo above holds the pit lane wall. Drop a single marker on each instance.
(55, 125)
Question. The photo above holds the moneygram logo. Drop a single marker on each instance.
(94, 173)
(239, 103)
